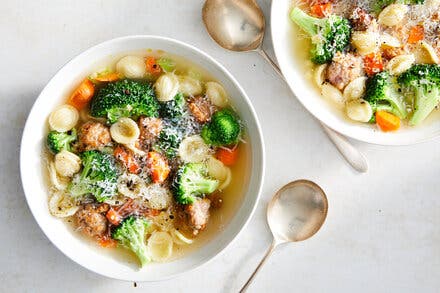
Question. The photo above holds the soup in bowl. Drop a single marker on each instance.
(145, 150)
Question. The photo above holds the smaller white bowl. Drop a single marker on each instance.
(283, 37)
(32, 166)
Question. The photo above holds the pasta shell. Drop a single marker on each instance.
(332, 94)
(160, 246)
(319, 74)
(388, 41)
(355, 89)
(125, 131)
(216, 94)
(131, 67)
(365, 42)
(359, 110)
(426, 54)
(179, 238)
(63, 118)
(189, 86)
(59, 183)
(219, 171)
(400, 63)
(392, 14)
(157, 197)
(225, 183)
(193, 149)
(61, 205)
(131, 185)
(164, 222)
(67, 163)
(167, 86)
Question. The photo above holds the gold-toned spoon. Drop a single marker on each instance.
(295, 213)
(239, 25)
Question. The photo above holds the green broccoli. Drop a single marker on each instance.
(58, 141)
(192, 181)
(379, 5)
(329, 35)
(423, 80)
(98, 176)
(382, 95)
(223, 129)
(124, 98)
(131, 235)
(173, 109)
(169, 139)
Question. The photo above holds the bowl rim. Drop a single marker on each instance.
(372, 139)
(258, 145)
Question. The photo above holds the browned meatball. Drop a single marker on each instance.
(93, 135)
(391, 52)
(150, 128)
(343, 69)
(198, 214)
(201, 108)
(91, 220)
(360, 19)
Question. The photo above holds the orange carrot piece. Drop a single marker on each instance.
(152, 66)
(373, 63)
(82, 95)
(158, 166)
(113, 217)
(108, 77)
(127, 159)
(107, 242)
(416, 34)
(227, 156)
(321, 10)
(387, 121)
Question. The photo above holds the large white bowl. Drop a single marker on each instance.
(292, 67)
(36, 192)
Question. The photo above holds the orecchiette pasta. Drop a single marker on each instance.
(167, 87)
(193, 149)
(164, 222)
(189, 86)
(59, 183)
(67, 163)
(392, 14)
(179, 238)
(61, 205)
(131, 185)
(365, 42)
(331, 93)
(131, 67)
(319, 74)
(160, 246)
(63, 118)
(400, 63)
(125, 131)
(426, 54)
(157, 197)
(219, 171)
(359, 110)
(355, 89)
(388, 41)
(216, 94)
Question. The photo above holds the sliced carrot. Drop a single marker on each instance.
(373, 63)
(82, 94)
(113, 217)
(158, 166)
(227, 156)
(387, 121)
(107, 242)
(127, 159)
(108, 77)
(416, 34)
(321, 10)
(152, 66)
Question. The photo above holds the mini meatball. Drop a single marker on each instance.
(343, 69)
(360, 19)
(198, 214)
(94, 135)
(91, 220)
(201, 108)
(390, 53)
(150, 128)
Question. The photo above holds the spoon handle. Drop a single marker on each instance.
(252, 277)
(352, 155)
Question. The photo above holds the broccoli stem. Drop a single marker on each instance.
(426, 101)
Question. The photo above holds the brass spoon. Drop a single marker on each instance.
(238, 25)
(295, 213)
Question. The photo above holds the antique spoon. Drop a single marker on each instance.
(238, 25)
(295, 213)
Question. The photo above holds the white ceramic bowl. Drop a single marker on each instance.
(283, 36)
(31, 163)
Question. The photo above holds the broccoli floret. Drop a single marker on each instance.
(58, 141)
(192, 181)
(124, 98)
(169, 139)
(173, 109)
(379, 5)
(329, 35)
(423, 80)
(98, 176)
(223, 129)
(382, 95)
(131, 235)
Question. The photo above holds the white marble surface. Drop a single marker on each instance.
(382, 233)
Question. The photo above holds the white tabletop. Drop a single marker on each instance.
(382, 232)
